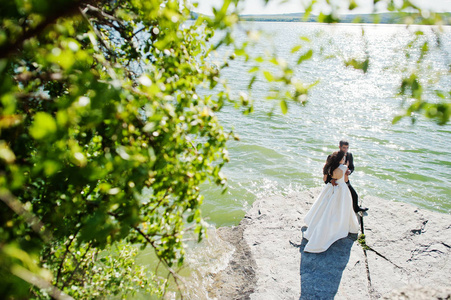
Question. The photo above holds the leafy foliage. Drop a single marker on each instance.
(104, 139)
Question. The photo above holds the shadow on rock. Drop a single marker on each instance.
(321, 272)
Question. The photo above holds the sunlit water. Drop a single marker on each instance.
(285, 153)
(402, 162)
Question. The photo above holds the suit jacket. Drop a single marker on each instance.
(349, 158)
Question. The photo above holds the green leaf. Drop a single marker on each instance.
(396, 119)
(251, 82)
(296, 48)
(253, 69)
(358, 65)
(328, 18)
(305, 56)
(352, 5)
(440, 94)
(268, 75)
(284, 106)
(51, 167)
(43, 126)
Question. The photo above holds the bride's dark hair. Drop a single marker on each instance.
(333, 162)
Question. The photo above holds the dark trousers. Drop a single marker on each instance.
(355, 197)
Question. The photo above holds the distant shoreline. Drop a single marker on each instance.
(379, 18)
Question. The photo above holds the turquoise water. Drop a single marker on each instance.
(402, 162)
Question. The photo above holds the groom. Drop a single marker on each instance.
(344, 146)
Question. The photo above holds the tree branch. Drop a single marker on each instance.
(65, 254)
(98, 34)
(102, 13)
(39, 282)
(33, 221)
(160, 201)
(171, 271)
(14, 47)
(78, 265)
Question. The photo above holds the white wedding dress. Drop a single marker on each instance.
(331, 216)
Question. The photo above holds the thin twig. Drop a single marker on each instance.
(98, 34)
(102, 13)
(64, 256)
(134, 34)
(93, 260)
(159, 201)
(171, 271)
(78, 265)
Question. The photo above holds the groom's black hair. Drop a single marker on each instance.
(344, 142)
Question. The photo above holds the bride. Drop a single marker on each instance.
(331, 216)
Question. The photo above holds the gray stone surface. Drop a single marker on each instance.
(418, 292)
(409, 254)
(409, 246)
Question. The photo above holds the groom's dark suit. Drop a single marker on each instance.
(355, 197)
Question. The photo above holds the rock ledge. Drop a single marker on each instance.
(408, 254)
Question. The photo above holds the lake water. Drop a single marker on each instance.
(286, 153)
(402, 162)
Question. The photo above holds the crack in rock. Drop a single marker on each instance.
(384, 257)
(433, 250)
(368, 275)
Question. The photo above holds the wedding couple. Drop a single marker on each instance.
(333, 215)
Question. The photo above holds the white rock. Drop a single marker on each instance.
(407, 246)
